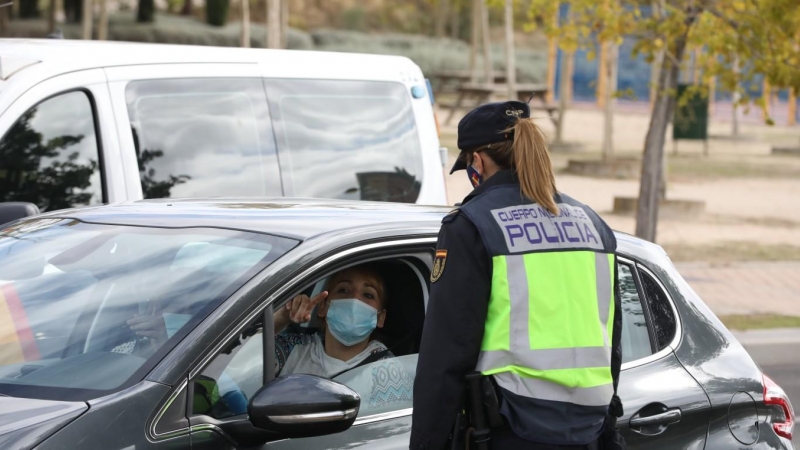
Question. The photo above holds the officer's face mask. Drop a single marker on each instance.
(475, 177)
(351, 321)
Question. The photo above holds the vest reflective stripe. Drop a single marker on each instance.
(546, 359)
(546, 390)
(530, 348)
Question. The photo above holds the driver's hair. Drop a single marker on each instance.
(371, 272)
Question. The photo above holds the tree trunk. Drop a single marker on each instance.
(51, 17)
(285, 23)
(652, 163)
(564, 91)
(245, 37)
(4, 21)
(735, 97)
(455, 20)
(609, 102)
(86, 22)
(273, 23)
(442, 14)
(102, 26)
(511, 65)
(475, 34)
(187, 8)
(487, 43)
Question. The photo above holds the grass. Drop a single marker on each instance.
(733, 251)
(759, 321)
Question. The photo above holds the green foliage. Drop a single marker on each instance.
(217, 12)
(354, 18)
(146, 11)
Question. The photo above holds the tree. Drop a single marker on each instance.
(273, 23)
(511, 67)
(146, 12)
(87, 20)
(758, 33)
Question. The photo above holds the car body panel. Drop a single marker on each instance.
(26, 422)
(117, 422)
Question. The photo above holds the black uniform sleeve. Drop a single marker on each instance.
(616, 337)
(452, 334)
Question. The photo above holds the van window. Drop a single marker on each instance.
(203, 138)
(346, 139)
(50, 156)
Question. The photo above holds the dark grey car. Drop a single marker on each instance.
(75, 375)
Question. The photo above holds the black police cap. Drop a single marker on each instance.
(485, 125)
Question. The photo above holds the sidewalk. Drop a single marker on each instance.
(746, 287)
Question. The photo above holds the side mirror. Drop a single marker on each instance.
(301, 405)
(11, 211)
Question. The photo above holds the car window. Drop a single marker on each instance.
(384, 382)
(347, 139)
(50, 156)
(203, 138)
(661, 312)
(635, 335)
(84, 307)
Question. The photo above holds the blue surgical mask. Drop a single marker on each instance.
(351, 321)
(475, 177)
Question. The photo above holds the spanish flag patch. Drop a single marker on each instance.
(438, 265)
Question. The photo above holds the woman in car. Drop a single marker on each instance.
(351, 308)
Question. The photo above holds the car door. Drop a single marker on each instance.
(384, 419)
(664, 406)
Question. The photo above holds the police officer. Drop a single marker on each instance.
(524, 288)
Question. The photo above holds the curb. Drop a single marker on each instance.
(769, 336)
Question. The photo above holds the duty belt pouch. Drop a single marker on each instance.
(490, 403)
(611, 439)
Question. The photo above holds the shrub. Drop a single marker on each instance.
(217, 12)
(146, 11)
(431, 54)
(169, 29)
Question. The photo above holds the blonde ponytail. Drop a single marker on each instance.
(532, 164)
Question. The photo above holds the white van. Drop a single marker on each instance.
(85, 123)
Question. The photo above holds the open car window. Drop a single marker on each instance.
(229, 381)
(86, 309)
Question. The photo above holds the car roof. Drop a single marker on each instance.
(296, 218)
(290, 217)
(26, 62)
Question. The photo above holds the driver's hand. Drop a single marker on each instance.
(301, 306)
(149, 325)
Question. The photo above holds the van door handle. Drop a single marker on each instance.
(665, 418)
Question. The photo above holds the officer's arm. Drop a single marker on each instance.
(453, 331)
(616, 337)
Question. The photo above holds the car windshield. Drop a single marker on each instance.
(86, 309)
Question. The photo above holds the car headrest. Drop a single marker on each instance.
(11, 211)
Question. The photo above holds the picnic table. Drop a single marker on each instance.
(471, 95)
(458, 78)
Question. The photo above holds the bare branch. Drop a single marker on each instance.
(716, 13)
